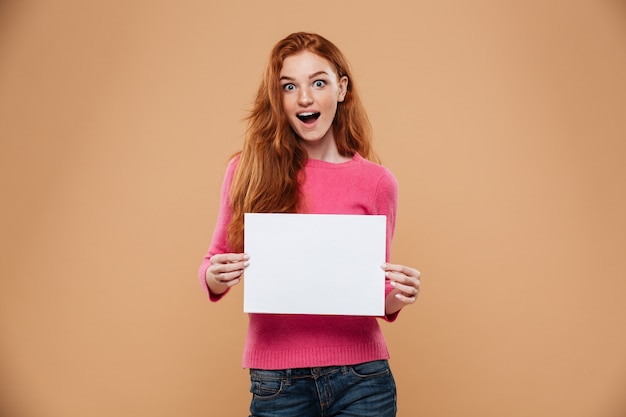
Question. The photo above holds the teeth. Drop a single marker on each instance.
(306, 114)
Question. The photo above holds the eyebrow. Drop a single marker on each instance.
(318, 73)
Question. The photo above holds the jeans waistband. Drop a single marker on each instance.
(288, 375)
(297, 373)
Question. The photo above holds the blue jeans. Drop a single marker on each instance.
(364, 390)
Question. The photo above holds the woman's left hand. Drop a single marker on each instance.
(406, 283)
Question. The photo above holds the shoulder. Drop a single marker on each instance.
(375, 172)
(229, 175)
(233, 162)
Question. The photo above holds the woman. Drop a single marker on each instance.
(308, 133)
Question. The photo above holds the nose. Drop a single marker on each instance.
(304, 97)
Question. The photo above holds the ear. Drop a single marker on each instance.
(343, 88)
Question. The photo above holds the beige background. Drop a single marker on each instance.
(503, 122)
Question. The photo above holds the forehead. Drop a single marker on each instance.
(305, 63)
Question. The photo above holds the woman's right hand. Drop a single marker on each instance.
(226, 270)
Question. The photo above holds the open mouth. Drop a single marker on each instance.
(308, 117)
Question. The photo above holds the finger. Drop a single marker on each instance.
(233, 282)
(224, 277)
(227, 279)
(406, 299)
(401, 278)
(224, 273)
(412, 272)
(228, 267)
(407, 290)
(224, 258)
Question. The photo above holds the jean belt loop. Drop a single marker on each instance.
(288, 377)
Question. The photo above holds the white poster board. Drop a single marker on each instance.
(315, 264)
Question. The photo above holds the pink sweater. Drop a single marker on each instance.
(276, 341)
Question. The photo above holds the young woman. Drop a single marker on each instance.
(308, 150)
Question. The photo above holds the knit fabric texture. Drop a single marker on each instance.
(283, 341)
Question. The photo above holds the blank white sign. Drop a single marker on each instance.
(315, 264)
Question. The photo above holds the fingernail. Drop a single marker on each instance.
(383, 266)
(393, 283)
(246, 257)
(245, 264)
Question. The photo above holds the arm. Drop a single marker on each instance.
(402, 282)
(221, 269)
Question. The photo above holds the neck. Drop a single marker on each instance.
(326, 152)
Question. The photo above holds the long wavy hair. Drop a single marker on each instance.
(269, 173)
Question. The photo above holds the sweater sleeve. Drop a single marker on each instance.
(219, 242)
(386, 202)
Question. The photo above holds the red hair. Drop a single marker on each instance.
(269, 172)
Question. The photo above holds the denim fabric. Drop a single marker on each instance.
(364, 390)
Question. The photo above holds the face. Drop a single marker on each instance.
(311, 90)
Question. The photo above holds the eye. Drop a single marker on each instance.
(289, 87)
(319, 83)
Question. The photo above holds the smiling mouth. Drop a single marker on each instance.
(308, 117)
